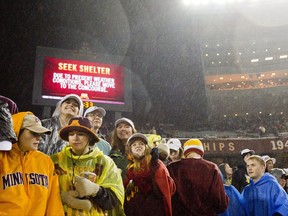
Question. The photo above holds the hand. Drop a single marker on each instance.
(69, 199)
(85, 187)
(155, 156)
(89, 175)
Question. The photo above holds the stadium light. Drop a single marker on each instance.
(218, 2)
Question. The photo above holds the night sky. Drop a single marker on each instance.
(161, 39)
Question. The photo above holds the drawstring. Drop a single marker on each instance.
(74, 163)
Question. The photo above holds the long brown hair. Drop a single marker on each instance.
(116, 143)
(139, 163)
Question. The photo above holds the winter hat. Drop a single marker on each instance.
(267, 158)
(79, 124)
(193, 145)
(137, 135)
(124, 120)
(246, 151)
(93, 108)
(69, 96)
(174, 144)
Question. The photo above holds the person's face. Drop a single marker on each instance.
(124, 131)
(255, 170)
(138, 148)
(228, 171)
(69, 107)
(174, 155)
(269, 165)
(96, 118)
(29, 140)
(79, 141)
(282, 182)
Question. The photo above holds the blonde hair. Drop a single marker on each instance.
(257, 158)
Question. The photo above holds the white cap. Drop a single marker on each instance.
(5, 145)
(72, 96)
(267, 158)
(124, 120)
(93, 108)
(174, 144)
(246, 151)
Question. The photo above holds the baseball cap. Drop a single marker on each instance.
(267, 158)
(124, 120)
(278, 173)
(246, 151)
(174, 144)
(33, 123)
(137, 135)
(93, 108)
(66, 97)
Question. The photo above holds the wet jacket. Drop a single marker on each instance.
(265, 197)
(152, 189)
(236, 202)
(28, 183)
(108, 178)
(120, 160)
(199, 188)
(104, 146)
(52, 144)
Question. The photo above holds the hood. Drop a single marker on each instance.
(18, 120)
(73, 96)
(266, 177)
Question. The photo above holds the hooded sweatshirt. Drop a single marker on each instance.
(265, 197)
(28, 185)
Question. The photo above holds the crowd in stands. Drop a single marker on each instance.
(249, 84)
(252, 126)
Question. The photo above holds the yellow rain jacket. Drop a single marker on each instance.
(28, 183)
(108, 176)
(153, 140)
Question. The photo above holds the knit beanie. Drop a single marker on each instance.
(193, 145)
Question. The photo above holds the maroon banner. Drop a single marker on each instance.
(234, 146)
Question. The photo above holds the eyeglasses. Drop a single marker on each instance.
(99, 115)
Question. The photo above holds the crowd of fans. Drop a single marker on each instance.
(252, 126)
(63, 160)
(249, 84)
